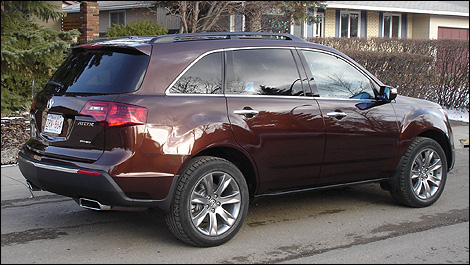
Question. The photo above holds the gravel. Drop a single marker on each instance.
(15, 132)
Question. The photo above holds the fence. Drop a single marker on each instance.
(69, 23)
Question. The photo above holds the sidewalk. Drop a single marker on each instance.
(14, 185)
(461, 133)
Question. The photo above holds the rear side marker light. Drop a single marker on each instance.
(111, 114)
(88, 172)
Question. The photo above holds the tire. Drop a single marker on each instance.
(210, 202)
(422, 175)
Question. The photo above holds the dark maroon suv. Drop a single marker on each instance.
(200, 124)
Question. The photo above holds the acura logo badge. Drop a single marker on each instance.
(50, 103)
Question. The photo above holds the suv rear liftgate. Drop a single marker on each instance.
(70, 116)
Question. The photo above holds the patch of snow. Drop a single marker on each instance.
(457, 115)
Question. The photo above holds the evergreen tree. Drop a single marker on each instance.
(138, 28)
(30, 53)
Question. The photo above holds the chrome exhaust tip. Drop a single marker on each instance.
(93, 205)
(32, 187)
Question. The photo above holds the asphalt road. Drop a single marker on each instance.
(357, 224)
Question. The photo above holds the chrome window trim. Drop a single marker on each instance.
(349, 99)
(193, 95)
(268, 96)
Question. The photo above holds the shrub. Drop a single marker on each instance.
(139, 28)
(410, 73)
(435, 70)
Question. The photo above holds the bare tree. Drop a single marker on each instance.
(197, 16)
(203, 16)
(292, 11)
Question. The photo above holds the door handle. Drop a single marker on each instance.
(246, 112)
(337, 114)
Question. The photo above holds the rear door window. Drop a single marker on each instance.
(263, 72)
(101, 72)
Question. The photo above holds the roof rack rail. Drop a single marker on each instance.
(224, 35)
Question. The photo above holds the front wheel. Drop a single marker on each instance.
(210, 202)
(422, 175)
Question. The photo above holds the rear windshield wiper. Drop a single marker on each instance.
(58, 86)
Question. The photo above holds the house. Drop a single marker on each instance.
(126, 12)
(365, 19)
(399, 19)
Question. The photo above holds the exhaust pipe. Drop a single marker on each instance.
(32, 187)
(93, 205)
(97, 206)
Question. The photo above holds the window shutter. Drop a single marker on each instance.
(381, 22)
(337, 19)
(404, 20)
(363, 24)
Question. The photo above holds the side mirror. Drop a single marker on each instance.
(388, 93)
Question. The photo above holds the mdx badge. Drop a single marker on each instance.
(85, 123)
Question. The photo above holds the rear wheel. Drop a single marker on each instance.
(210, 202)
(422, 175)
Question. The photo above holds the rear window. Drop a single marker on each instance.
(100, 72)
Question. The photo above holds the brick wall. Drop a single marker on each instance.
(89, 15)
(409, 28)
(330, 22)
(372, 24)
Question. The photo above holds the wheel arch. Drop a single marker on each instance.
(430, 124)
(239, 159)
(442, 140)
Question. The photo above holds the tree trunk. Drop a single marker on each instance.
(253, 11)
(184, 23)
(253, 22)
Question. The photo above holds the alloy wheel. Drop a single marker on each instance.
(215, 203)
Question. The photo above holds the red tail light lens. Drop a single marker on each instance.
(111, 114)
(33, 104)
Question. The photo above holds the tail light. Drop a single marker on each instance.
(111, 114)
(33, 104)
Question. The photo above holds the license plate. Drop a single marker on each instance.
(54, 123)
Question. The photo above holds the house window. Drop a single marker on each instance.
(316, 29)
(349, 24)
(117, 18)
(237, 23)
(391, 25)
(319, 29)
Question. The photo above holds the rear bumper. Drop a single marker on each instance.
(83, 183)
